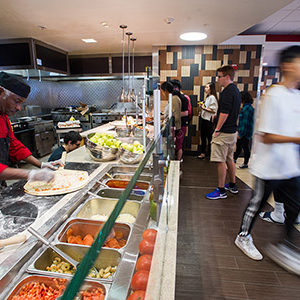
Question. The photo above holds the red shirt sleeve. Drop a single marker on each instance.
(17, 151)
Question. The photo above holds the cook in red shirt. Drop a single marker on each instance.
(13, 92)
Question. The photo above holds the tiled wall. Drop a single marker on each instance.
(195, 66)
(270, 75)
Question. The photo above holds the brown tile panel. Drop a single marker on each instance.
(233, 57)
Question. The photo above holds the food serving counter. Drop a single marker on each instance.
(88, 209)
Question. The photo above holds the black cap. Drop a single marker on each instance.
(14, 84)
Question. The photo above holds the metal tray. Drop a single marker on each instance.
(135, 188)
(87, 285)
(116, 193)
(122, 176)
(82, 227)
(107, 257)
(127, 169)
(103, 206)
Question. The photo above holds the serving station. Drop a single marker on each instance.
(70, 223)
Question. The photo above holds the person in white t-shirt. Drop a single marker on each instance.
(208, 112)
(275, 162)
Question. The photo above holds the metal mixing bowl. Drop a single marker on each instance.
(100, 153)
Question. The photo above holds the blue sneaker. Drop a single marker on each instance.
(216, 195)
(232, 190)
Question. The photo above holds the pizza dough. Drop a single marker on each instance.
(65, 181)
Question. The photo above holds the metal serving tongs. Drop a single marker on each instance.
(57, 250)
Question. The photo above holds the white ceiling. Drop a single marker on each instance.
(68, 21)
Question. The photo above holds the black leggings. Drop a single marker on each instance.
(206, 134)
(286, 191)
(242, 143)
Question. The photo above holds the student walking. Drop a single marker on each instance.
(275, 162)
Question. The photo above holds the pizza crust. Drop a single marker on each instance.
(65, 181)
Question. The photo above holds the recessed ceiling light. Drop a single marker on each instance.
(89, 40)
(103, 23)
(193, 36)
(265, 64)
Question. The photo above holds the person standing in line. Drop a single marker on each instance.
(184, 118)
(224, 136)
(208, 112)
(245, 129)
(275, 162)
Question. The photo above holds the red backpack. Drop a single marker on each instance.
(190, 108)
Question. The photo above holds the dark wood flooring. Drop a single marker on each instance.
(209, 265)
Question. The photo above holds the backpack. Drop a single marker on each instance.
(190, 108)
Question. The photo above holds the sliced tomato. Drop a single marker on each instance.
(144, 262)
(139, 280)
(146, 247)
(137, 295)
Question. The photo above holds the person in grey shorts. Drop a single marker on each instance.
(225, 134)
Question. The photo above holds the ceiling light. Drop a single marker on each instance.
(265, 64)
(89, 40)
(103, 23)
(193, 36)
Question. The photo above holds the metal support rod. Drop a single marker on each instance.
(128, 34)
(144, 123)
(156, 115)
(123, 27)
(132, 82)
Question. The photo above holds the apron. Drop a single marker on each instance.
(4, 154)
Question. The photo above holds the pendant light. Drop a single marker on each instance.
(122, 96)
(128, 96)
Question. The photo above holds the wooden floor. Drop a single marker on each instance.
(209, 265)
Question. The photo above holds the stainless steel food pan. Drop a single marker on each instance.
(107, 257)
(116, 193)
(119, 182)
(83, 227)
(99, 206)
(88, 285)
(127, 169)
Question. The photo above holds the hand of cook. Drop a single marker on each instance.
(41, 175)
(53, 165)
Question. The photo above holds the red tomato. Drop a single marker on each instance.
(150, 235)
(137, 295)
(139, 280)
(144, 262)
(146, 247)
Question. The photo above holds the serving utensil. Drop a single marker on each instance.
(54, 248)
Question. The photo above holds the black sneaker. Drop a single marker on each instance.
(233, 190)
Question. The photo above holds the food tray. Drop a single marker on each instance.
(49, 281)
(107, 257)
(82, 227)
(102, 206)
(116, 193)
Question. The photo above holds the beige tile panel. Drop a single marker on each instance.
(253, 54)
(269, 82)
(185, 71)
(179, 55)
(250, 87)
(243, 73)
(195, 121)
(228, 46)
(206, 80)
(243, 57)
(225, 59)
(198, 60)
(169, 58)
(208, 49)
(256, 71)
(162, 48)
(163, 75)
(196, 90)
(212, 64)
(171, 73)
